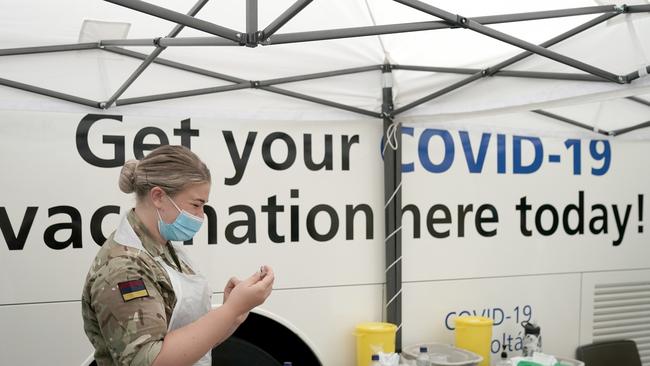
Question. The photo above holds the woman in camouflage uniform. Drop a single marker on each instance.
(143, 302)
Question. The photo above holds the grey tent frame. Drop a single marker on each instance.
(268, 36)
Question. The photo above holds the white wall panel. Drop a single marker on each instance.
(616, 305)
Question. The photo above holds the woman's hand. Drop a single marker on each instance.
(244, 295)
(185, 345)
(232, 283)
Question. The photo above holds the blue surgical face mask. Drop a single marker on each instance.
(183, 228)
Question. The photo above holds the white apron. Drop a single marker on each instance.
(192, 291)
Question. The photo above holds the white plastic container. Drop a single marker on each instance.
(443, 355)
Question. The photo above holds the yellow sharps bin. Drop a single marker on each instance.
(474, 333)
(373, 338)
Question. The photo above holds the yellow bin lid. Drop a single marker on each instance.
(375, 327)
(474, 321)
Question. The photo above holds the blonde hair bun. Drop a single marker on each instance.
(127, 176)
(170, 167)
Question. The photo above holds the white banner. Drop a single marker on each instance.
(485, 214)
(305, 198)
(485, 204)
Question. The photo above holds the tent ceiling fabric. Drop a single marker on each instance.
(619, 46)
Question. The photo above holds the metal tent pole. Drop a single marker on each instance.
(281, 38)
(49, 93)
(45, 49)
(638, 8)
(491, 70)
(510, 73)
(181, 94)
(635, 74)
(318, 75)
(144, 42)
(268, 36)
(570, 121)
(251, 16)
(251, 23)
(176, 65)
(537, 15)
(630, 129)
(640, 100)
(375, 30)
(329, 103)
(568, 34)
(309, 36)
(547, 75)
(169, 42)
(480, 28)
(246, 85)
(241, 83)
(143, 66)
(196, 41)
(445, 70)
(180, 18)
(617, 132)
(233, 79)
(430, 25)
(284, 18)
(439, 93)
(393, 207)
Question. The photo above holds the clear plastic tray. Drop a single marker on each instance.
(443, 355)
(569, 362)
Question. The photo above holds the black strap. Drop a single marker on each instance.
(174, 257)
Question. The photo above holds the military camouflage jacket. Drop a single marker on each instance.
(128, 299)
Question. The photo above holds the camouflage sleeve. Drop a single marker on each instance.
(130, 309)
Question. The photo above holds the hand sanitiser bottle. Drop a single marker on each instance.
(423, 357)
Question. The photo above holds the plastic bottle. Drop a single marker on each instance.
(532, 338)
(423, 357)
(375, 360)
(504, 358)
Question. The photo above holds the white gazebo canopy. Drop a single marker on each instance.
(446, 72)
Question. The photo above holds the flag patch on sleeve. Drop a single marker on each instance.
(132, 290)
